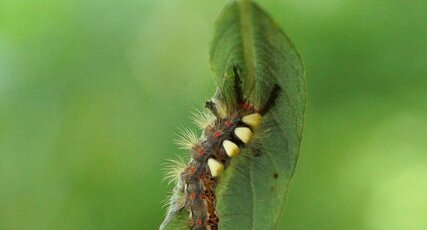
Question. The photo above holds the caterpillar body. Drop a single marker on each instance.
(240, 168)
(229, 128)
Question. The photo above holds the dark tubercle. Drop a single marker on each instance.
(271, 101)
(238, 86)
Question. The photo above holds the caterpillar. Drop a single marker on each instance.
(230, 127)
(241, 166)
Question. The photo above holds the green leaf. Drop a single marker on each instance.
(252, 191)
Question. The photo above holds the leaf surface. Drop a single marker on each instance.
(253, 189)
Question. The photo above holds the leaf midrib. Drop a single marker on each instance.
(249, 58)
(248, 42)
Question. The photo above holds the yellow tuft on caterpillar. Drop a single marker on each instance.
(215, 167)
(253, 120)
(230, 148)
(244, 134)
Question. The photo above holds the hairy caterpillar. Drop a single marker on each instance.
(231, 128)
(241, 165)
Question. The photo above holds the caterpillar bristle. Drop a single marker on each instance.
(262, 133)
(166, 201)
(171, 197)
(203, 119)
(173, 168)
(221, 108)
(187, 139)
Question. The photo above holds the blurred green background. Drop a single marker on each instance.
(92, 93)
